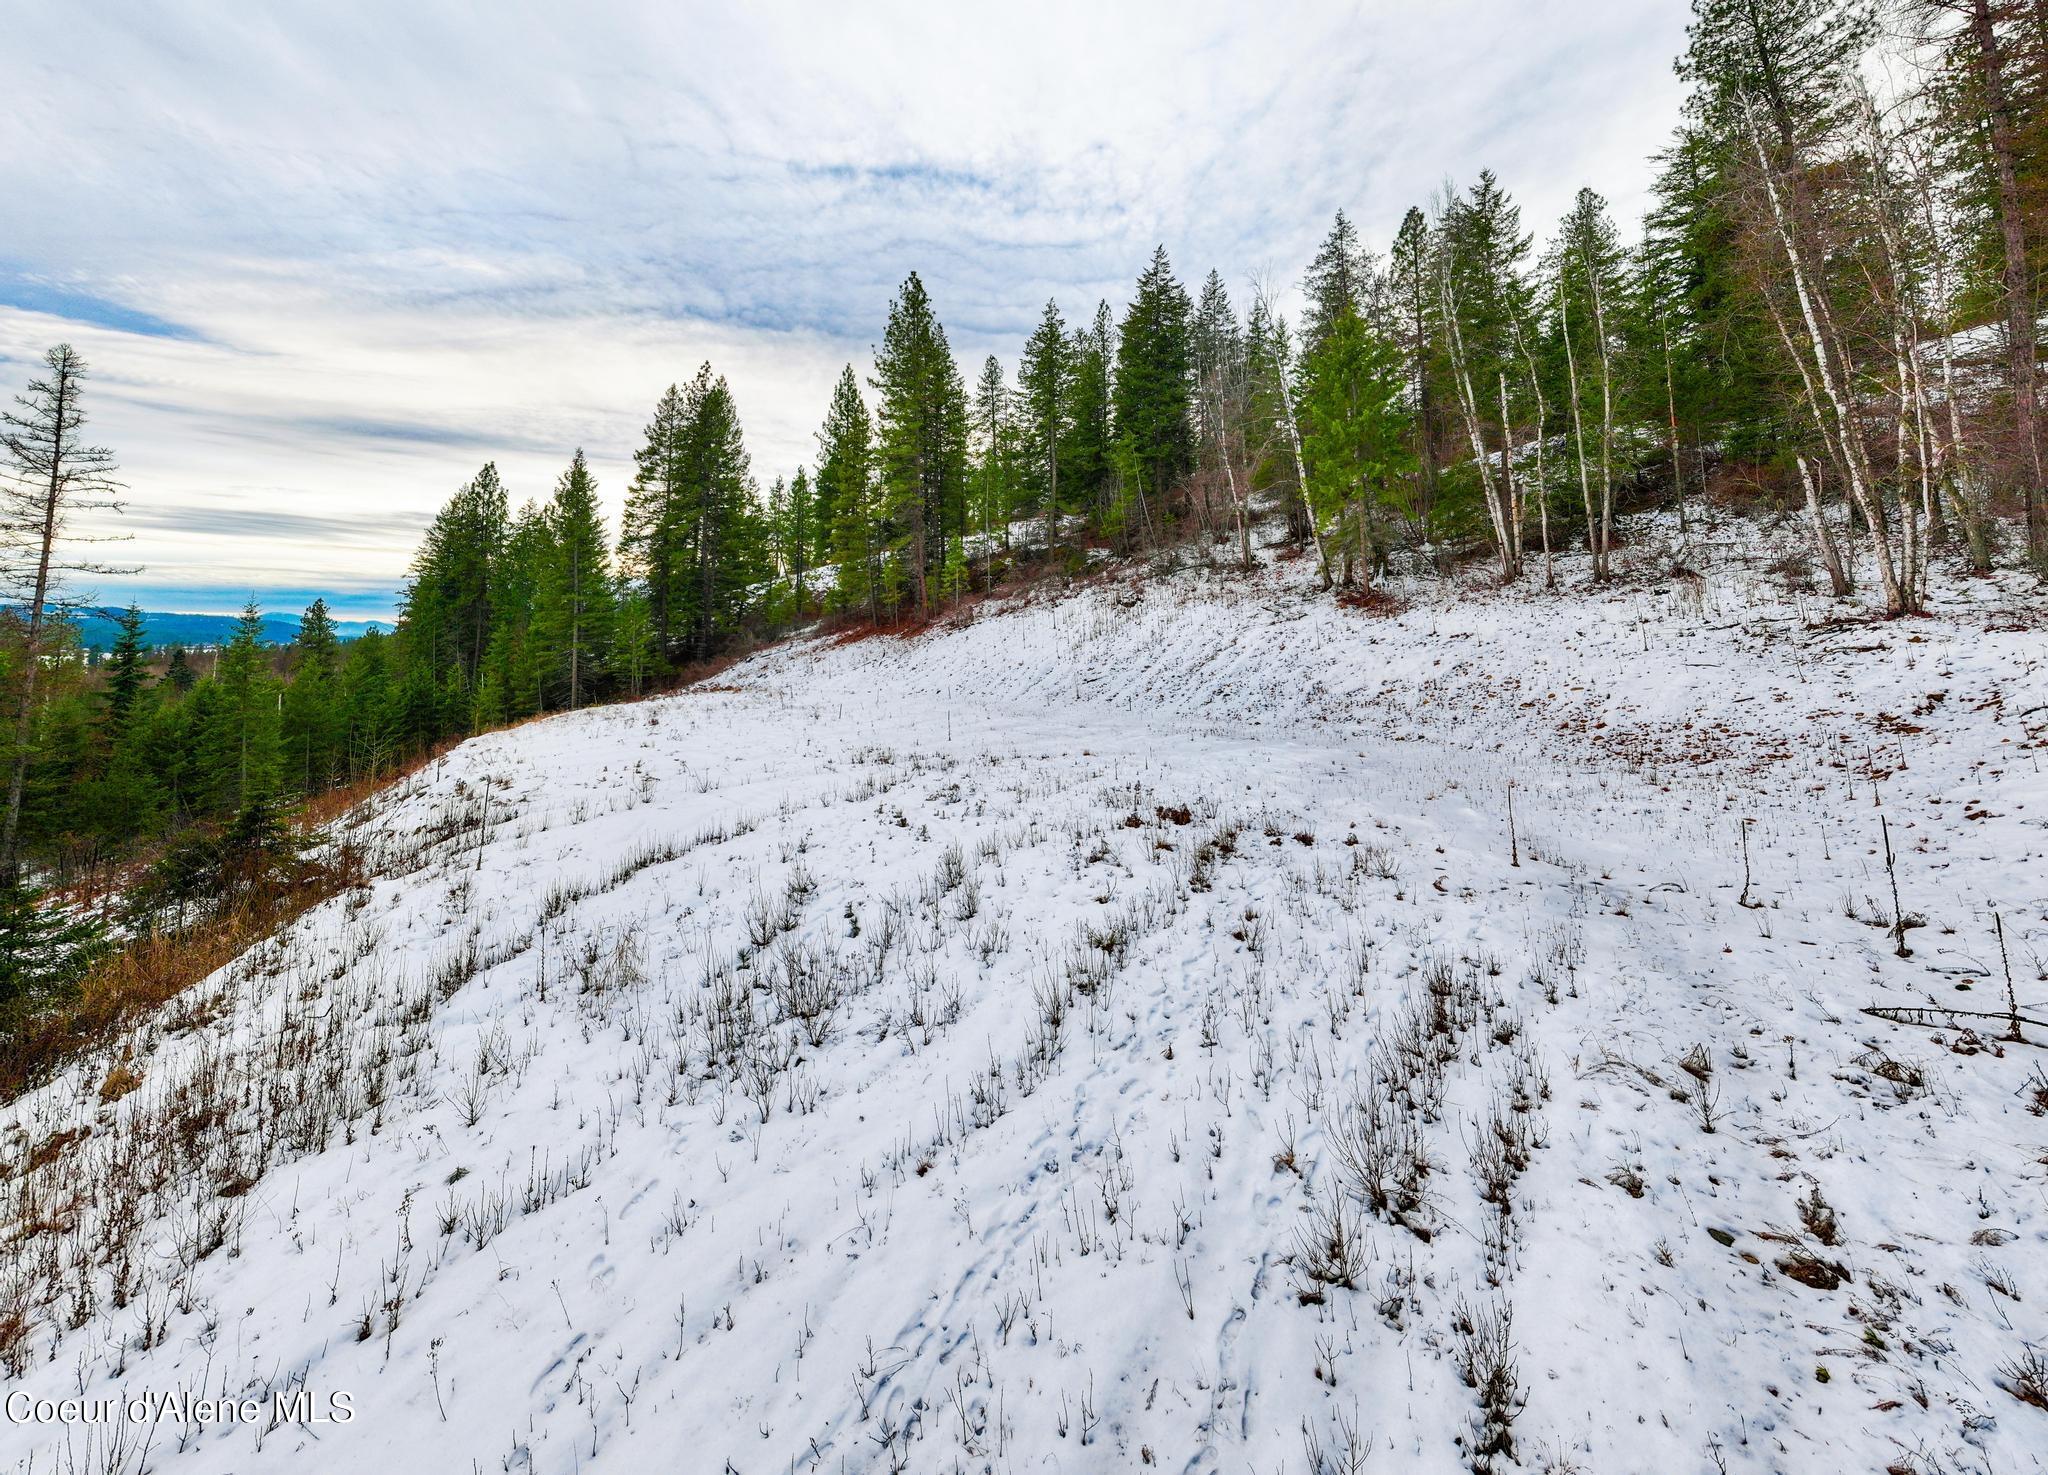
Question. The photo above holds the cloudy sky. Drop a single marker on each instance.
(324, 261)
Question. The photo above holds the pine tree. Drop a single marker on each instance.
(1413, 308)
(119, 800)
(1268, 359)
(312, 730)
(178, 672)
(1091, 431)
(800, 537)
(846, 486)
(1043, 391)
(516, 664)
(1154, 381)
(632, 642)
(317, 651)
(124, 668)
(574, 603)
(727, 536)
(241, 751)
(1337, 282)
(1773, 83)
(44, 952)
(920, 440)
(1482, 298)
(369, 704)
(1788, 58)
(994, 452)
(1356, 437)
(652, 549)
(692, 537)
(1693, 268)
(447, 612)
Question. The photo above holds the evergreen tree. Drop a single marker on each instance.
(1043, 392)
(726, 536)
(178, 673)
(1786, 58)
(1337, 282)
(124, 668)
(119, 797)
(1484, 301)
(1413, 310)
(1216, 342)
(1268, 355)
(47, 477)
(312, 730)
(1774, 85)
(574, 601)
(1484, 251)
(995, 455)
(516, 665)
(447, 613)
(800, 537)
(692, 537)
(1154, 380)
(370, 705)
(633, 645)
(1692, 267)
(240, 748)
(1091, 432)
(846, 486)
(1221, 403)
(1356, 437)
(44, 952)
(920, 440)
(652, 548)
(317, 651)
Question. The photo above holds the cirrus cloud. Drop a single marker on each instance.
(324, 263)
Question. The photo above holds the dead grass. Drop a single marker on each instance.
(148, 970)
(1373, 599)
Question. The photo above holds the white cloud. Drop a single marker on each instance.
(403, 239)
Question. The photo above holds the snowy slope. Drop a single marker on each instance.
(997, 1050)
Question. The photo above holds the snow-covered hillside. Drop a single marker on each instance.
(1120, 1032)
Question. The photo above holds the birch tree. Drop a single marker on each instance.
(1480, 248)
(1588, 266)
(1220, 404)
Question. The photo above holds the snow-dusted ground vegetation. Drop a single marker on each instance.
(1184, 1025)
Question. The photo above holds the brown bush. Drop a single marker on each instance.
(152, 968)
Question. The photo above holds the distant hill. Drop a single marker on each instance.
(97, 629)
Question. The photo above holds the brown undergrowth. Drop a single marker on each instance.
(149, 969)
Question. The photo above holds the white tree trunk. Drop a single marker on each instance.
(1468, 406)
(1844, 430)
(1823, 538)
(1571, 364)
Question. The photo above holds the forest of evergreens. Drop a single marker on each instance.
(1830, 310)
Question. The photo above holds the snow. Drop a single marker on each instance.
(683, 1094)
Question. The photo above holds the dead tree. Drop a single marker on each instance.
(50, 476)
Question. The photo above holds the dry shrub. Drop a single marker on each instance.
(1373, 599)
(152, 968)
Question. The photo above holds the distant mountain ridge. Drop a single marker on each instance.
(97, 629)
